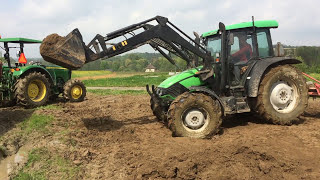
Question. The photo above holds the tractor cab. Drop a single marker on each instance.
(244, 43)
(17, 43)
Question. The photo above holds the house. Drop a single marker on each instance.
(150, 68)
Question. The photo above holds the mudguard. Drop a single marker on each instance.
(259, 70)
(27, 69)
(209, 92)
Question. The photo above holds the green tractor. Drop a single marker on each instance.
(249, 75)
(233, 69)
(32, 84)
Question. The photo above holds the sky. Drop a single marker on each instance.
(299, 22)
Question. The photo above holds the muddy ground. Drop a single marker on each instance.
(117, 137)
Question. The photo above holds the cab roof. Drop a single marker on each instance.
(258, 24)
(19, 40)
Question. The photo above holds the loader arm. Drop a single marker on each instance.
(163, 35)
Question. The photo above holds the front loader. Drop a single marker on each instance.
(220, 81)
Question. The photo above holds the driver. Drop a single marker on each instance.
(245, 51)
(241, 57)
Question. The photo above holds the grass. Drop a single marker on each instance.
(105, 92)
(315, 75)
(41, 162)
(36, 123)
(132, 81)
(77, 74)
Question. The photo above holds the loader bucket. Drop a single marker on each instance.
(68, 51)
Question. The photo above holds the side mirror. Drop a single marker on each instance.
(231, 39)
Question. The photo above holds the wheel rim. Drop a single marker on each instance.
(195, 119)
(76, 92)
(283, 96)
(37, 90)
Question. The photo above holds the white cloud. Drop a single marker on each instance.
(298, 24)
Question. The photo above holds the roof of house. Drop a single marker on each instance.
(150, 66)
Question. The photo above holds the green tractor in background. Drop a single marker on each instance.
(34, 84)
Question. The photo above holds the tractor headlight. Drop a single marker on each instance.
(159, 92)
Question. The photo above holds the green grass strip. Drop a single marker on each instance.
(105, 92)
(77, 74)
(36, 123)
(133, 81)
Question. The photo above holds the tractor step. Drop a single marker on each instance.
(242, 105)
(235, 105)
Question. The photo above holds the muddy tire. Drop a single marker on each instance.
(74, 90)
(32, 90)
(194, 115)
(157, 110)
(283, 95)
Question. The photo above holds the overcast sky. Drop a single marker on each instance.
(299, 22)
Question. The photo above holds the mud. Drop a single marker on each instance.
(117, 137)
(63, 51)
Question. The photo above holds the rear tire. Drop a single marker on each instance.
(32, 90)
(283, 95)
(194, 115)
(74, 90)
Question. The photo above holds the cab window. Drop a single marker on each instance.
(263, 43)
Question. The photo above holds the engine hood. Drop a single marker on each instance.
(185, 78)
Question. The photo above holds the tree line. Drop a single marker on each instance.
(137, 62)
(310, 57)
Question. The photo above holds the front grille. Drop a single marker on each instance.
(174, 90)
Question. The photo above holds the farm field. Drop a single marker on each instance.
(126, 80)
(315, 75)
(114, 135)
(80, 74)
(117, 137)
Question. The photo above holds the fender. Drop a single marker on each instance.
(260, 68)
(28, 69)
(210, 93)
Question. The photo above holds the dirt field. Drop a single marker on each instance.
(117, 137)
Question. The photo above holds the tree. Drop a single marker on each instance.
(310, 54)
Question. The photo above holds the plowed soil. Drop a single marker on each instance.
(117, 137)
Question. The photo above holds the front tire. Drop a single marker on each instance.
(74, 90)
(157, 110)
(32, 90)
(194, 115)
(283, 95)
